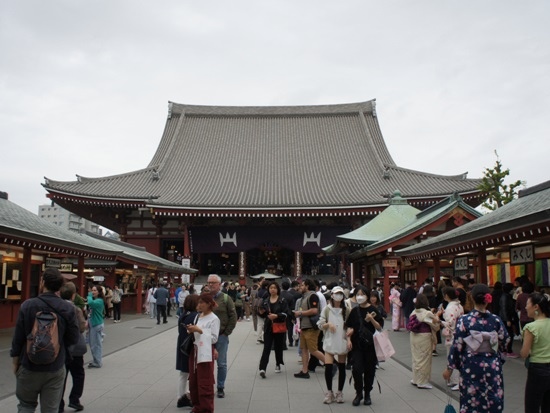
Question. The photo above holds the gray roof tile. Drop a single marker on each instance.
(269, 157)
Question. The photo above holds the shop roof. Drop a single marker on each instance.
(526, 216)
(23, 228)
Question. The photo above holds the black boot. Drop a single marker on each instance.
(367, 401)
(357, 400)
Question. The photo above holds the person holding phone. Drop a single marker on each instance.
(361, 324)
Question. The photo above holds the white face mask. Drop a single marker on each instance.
(361, 299)
(337, 297)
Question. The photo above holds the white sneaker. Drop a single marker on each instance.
(329, 397)
(277, 369)
(262, 374)
(456, 387)
(339, 397)
(424, 386)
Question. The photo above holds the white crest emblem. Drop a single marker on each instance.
(228, 238)
(312, 238)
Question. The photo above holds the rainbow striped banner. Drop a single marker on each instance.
(541, 272)
(508, 273)
(504, 272)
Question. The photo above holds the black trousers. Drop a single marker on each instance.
(75, 367)
(290, 332)
(161, 310)
(537, 388)
(278, 342)
(363, 369)
(116, 311)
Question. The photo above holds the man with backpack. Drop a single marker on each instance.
(46, 326)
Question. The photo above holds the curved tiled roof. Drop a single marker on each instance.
(530, 209)
(16, 222)
(269, 157)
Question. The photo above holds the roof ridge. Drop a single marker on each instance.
(83, 179)
(462, 176)
(342, 108)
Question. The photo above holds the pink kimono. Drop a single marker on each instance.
(395, 302)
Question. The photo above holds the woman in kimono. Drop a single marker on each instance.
(452, 312)
(396, 308)
(422, 324)
(479, 340)
(201, 360)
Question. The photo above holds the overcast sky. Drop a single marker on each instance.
(84, 85)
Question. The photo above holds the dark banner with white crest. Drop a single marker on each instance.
(236, 239)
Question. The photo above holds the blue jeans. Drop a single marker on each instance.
(221, 347)
(33, 384)
(96, 344)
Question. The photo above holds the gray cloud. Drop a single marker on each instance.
(85, 85)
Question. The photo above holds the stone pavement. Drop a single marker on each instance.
(141, 378)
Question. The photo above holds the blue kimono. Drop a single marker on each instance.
(476, 352)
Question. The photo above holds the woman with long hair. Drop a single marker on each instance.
(201, 360)
(361, 324)
(275, 311)
(422, 324)
(188, 316)
(96, 304)
(478, 343)
(331, 322)
(536, 348)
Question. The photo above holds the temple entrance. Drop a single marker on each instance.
(315, 265)
(277, 261)
(226, 265)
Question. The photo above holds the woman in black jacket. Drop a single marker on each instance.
(275, 311)
(362, 322)
(508, 315)
(188, 316)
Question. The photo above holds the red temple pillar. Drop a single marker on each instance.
(482, 267)
(139, 294)
(82, 287)
(26, 275)
(387, 272)
(437, 271)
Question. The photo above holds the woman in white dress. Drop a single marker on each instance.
(331, 322)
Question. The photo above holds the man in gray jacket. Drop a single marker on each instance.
(162, 295)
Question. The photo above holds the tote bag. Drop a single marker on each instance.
(382, 345)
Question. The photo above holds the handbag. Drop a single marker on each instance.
(382, 345)
(279, 327)
(188, 342)
(187, 345)
(449, 408)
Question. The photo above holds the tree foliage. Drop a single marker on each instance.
(498, 193)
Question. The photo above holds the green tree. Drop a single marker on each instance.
(492, 183)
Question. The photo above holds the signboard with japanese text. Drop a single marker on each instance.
(522, 254)
(461, 263)
(53, 263)
(389, 263)
(66, 267)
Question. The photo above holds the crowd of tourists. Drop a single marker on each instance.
(334, 327)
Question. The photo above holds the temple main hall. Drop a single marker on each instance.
(241, 190)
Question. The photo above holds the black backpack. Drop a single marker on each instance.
(43, 341)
